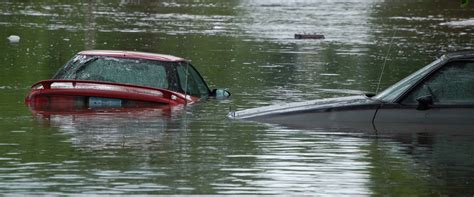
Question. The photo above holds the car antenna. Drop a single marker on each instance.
(385, 62)
(186, 85)
(231, 113)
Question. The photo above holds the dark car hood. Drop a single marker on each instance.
(313, 105)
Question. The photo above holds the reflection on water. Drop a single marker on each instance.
(118, 128)
(248, 47)
(293, 161)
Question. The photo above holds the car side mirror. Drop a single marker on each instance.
(424, 102)
(220, 93)
(369, 95)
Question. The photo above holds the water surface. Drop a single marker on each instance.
(248, 47)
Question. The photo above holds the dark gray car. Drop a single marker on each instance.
(438, 97)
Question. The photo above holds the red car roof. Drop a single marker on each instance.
(133, 55)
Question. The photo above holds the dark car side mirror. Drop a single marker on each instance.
(220, 93)
(424, 102)
(370, 95)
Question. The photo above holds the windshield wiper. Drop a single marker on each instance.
(83, 65)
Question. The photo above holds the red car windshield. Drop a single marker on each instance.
(175, 76)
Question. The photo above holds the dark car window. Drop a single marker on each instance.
(191, 81)
(451, 85)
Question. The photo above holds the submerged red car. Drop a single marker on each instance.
(104, 78)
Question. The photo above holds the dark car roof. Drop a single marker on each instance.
(133, 55)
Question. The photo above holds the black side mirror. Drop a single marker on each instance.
(220, 93)
(424, 102)
(369, 95)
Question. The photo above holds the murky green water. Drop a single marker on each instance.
(248, 47)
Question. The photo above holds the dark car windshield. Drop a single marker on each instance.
(151, 73)
(395, 91)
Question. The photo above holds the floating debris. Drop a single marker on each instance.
(14, 39)
(309, 36)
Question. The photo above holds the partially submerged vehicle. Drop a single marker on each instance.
(115, 79)
(438, 96)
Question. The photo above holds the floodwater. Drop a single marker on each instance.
(248, 47)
